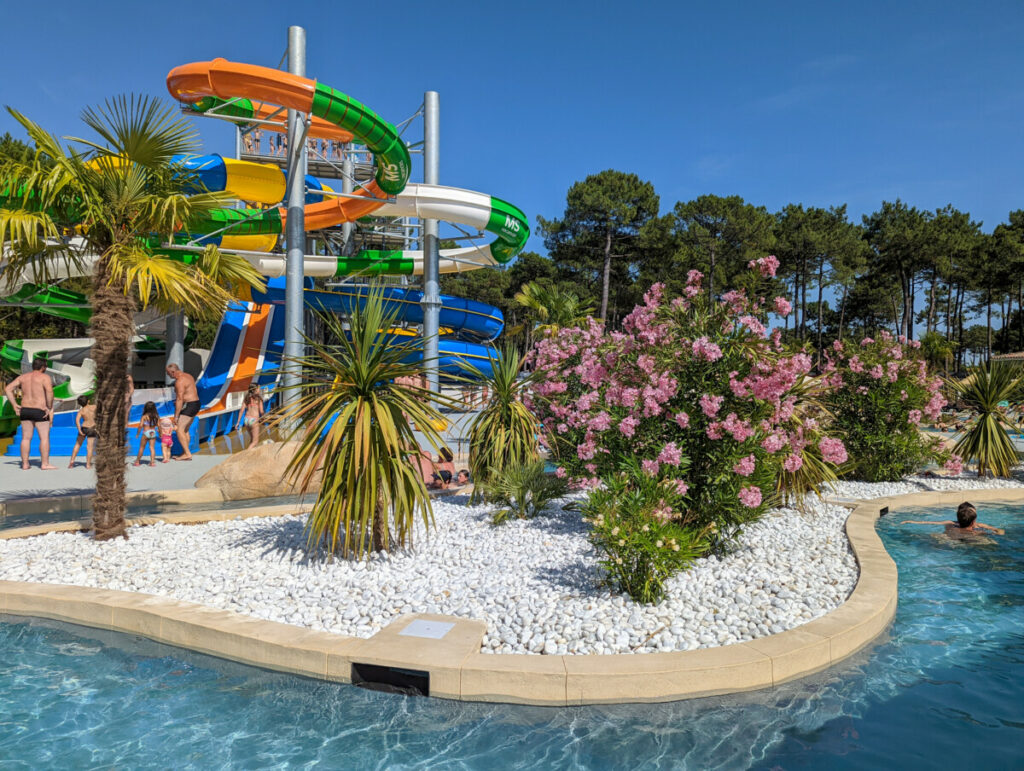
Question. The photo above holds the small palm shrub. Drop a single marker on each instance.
(805, 471)
(987, 439)
(504, 434)
(633, 526)
(353, 419)
(522, 492)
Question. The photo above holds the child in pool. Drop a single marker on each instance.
(966, 523)
(251, 413)
(166, 428)
(147, 433)
(85, 421)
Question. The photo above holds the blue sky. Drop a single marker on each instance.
(812, 102)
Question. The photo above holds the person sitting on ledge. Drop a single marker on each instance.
(966, 523)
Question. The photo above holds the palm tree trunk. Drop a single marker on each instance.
(112, 330)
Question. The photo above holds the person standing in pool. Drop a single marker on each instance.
(966, 523)
(35, 411)
(186, 406)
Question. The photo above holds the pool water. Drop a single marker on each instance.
(945, 689)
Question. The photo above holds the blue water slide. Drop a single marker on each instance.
(210, 383)
(468, 318)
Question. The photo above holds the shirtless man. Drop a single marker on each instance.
(186, 406)
(35, 410)
(966, 524)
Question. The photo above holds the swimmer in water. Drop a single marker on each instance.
(966, 523)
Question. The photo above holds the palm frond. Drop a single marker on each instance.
(987, 440)
(353, 420)
(142, 129)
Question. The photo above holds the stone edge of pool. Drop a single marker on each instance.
(456, 667)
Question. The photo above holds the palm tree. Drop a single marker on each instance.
(121, 197)
(553, 306)
(504, 434)
(353, 416)
(987, 438)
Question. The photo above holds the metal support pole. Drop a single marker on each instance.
(175, 341)
(431, 303)
(295, 235)
(348, 170)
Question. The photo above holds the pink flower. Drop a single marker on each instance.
(765, 265)
(774, 442)
(681, 487)
(650, 466)
(745, 468)
(877, 372)
(792, 463)
(602, 421)
(714, 430)
(954, 465)
(855, 364)
(914, 417)
(866, 342)
(560, 472)
(832, 450)
(627, 427)
(783, 307)
(739, 429)
(670, 455)
(750, 497)
(751, 323)
(682, 419)
(711, 404)
(705, 349)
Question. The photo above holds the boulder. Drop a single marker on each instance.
(258, 472)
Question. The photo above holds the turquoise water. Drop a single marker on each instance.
(944, 690)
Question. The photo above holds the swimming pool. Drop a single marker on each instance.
(945, 689)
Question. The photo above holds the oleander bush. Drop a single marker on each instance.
(634, 529)
(698, 391)
(879, 394)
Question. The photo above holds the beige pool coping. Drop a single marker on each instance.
(456, 667)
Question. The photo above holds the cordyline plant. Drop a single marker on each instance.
(694, 383)
(353, 419)
(504, 434)
(879, 393)
(986, 441)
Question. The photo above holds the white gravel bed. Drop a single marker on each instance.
(536, 583)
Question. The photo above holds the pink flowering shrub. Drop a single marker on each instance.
(879, 393)
(695, 389)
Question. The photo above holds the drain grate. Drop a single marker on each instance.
(411, 682)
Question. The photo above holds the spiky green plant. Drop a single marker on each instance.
(809, 412)
(986, 440)
(523, 491)
(504, 434)
(353, 419)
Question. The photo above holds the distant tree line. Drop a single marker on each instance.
(913, 272)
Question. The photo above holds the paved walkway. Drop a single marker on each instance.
(35, 483)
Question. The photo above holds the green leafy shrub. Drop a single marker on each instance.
(880, 393)
(632, 526)
(523, 491)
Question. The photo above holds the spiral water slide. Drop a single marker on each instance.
(250, 91)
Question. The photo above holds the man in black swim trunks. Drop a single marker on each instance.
(35, 410)
(186, 406)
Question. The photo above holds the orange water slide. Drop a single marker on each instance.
(228, 80)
